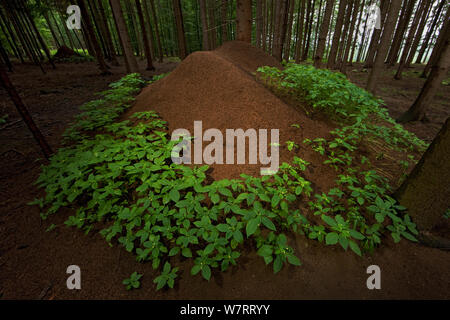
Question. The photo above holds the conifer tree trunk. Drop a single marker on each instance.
(148, 54)
(127, 49)
(425, 192)
(90, 29)
(224, 21)
(259, 22)
(409, 39)
(430, 32)
(182, 49)
(376, 34)
(244, 20)
(300, 31)
(337, 34)
(440, 45)
(438, 73)
(310, 15)
(345, 58)
(418, 36)
(323, 34)
(108, 36)
(157, 33)
(290, 22)
(400, 32)
(204, 19)
(384, 46)
(47, 151)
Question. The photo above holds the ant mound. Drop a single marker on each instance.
(65, 53)
(245, 56)
(213, 89)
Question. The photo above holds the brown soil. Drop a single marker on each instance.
(33, 263)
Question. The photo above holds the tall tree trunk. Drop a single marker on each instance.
(148, 53)
(337, 34)
(107, 33)
(356, 35)
(157, 33)
(323, 34)
(425, 192)
(259, 23)
(24, 113)
(310, 14)
(440, 45)
(125, 41)
(290, 22)
(399, 34)
(345, 58)
(212, 24)
(384, 46)
(244, 20)
(182, 48)
(409, 39)
(224, 21)
(90, 29)
(280, 30)
(376, 34)
(438, 73)
(430, 32)
(300, 21)
(204, 18)
(345, 34)
(418, 35)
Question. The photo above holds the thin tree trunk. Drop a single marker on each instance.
(345, 58)
(47, 151)
(125, 41)
(204, 18)
(418, 35)
(337, 34)
(259, 22)
(107, 33)
(157, 33)
(224, 21)
(148, 53)
(385, 41)
(345, 34)
(430, 32)
(399, 35)
(182, 49)
(376, 34)
(290, 22)
(300, 21)
(409, 39)
(323, 34)
(440, 44)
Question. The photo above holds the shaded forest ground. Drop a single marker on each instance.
(33, 262)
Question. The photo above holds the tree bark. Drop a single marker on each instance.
(130, 59)
(224, 21)
(204, 19)
(348, 45)
(384, 45)
(323, 34)
(438, 73)
(182, 48)
(46, 150)
(418, 35)
(376, 34)
(259, 22)
(425, 192)
(157, 34)
(148, 53)
(244, 20)
(290, 22)
(337, 34)
(430, 32)
(90, 29)
(440, 45)
(109, 41)
(409, 39)
(300, 31)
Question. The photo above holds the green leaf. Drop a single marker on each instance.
(252, 226)
(277, 264)
(195, 269)
(174, 195)
(330, 221)
(332, 238)
(269, 224)
(356, 235)
(355, 247)
(206, 272)
(186, 252)
(275, 200)
(292, 259)
(174, 251)
(215, 198)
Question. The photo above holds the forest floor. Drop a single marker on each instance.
(33, 262)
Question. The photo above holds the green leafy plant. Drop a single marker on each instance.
(133, 282)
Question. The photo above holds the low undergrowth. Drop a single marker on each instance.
(119, 175)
